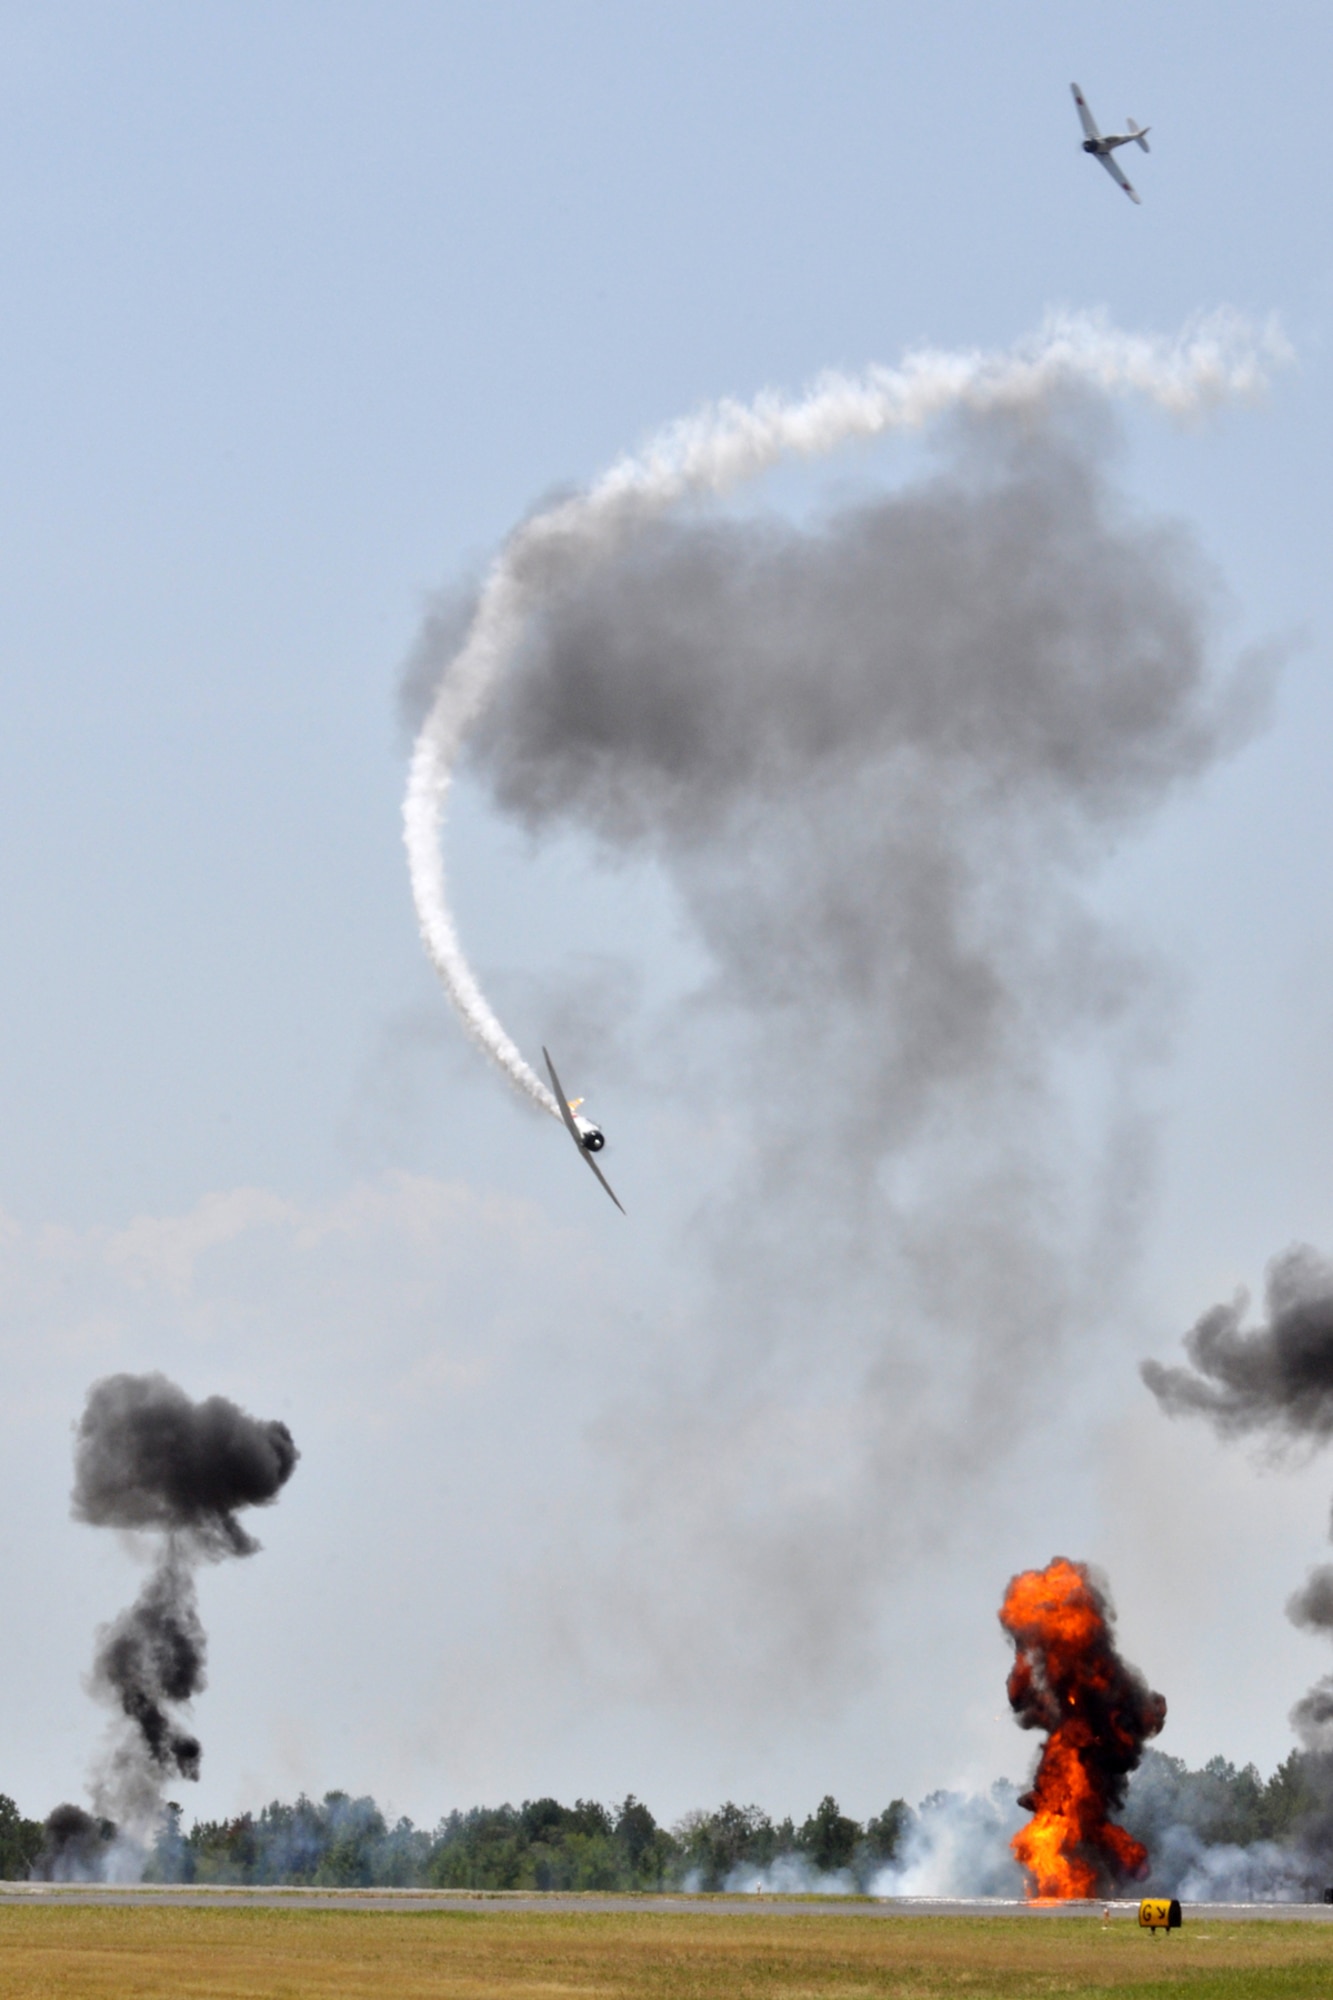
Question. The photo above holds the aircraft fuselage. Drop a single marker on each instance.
(589, 1138)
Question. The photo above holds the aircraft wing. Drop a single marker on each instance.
(1114, 169)
(563, 1103)
(1088, 121)
(589, 1161)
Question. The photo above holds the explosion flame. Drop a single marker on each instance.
(1069, 1680)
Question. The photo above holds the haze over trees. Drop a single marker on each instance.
(538, 1845)
(1187, 1818)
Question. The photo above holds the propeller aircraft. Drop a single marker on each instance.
(589, 1138)
(1102, 146)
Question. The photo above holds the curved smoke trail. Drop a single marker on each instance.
(720, 448)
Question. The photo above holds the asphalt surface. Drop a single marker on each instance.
(500, 1902)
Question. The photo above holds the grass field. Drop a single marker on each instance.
(157, 1954)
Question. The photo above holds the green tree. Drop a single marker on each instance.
(883, 1839)
(713, 1845)
(172, 1859)
(647, 1850)
(828, 1839)
(1288, 1796)
(20, 1841)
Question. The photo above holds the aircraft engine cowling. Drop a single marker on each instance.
(592, 1140)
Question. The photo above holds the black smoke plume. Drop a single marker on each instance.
(74, 1846)
(147, 1458)
(151, 1658)
(1272, 1382)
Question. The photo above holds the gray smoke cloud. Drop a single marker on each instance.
(1311, 1608)
(998, 627)
(1272, 1382)
(880, 759)
(875, 758)
(75, 1846)
(1312, 1605)
(148, 1458)
(151, 1658)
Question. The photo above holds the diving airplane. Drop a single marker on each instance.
(1103, 149)
(589, 1138)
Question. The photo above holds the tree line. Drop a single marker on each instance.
(1229, 1807)
(345, 1842)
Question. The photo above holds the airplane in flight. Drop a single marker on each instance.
(589, 1138)
(1103, 148)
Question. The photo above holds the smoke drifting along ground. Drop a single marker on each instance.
(1069, 1679)
(1272, 1382)
(879, 758)
(148, 1458)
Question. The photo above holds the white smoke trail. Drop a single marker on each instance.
(718, 449)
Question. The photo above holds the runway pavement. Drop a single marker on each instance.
(498, 1902)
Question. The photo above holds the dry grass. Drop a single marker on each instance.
(261, 1954)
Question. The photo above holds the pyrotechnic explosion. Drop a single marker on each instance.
(147, 1457)
(1069, 1680)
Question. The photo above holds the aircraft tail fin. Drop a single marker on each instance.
(1139, 132)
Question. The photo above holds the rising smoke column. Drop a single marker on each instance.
(874, 757)
(1274, 1383)
(711, 454)
(148, 1458)
(1068, 1679)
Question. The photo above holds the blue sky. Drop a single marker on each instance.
(304, 307)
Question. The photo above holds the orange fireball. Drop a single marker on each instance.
(1098, 1712)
